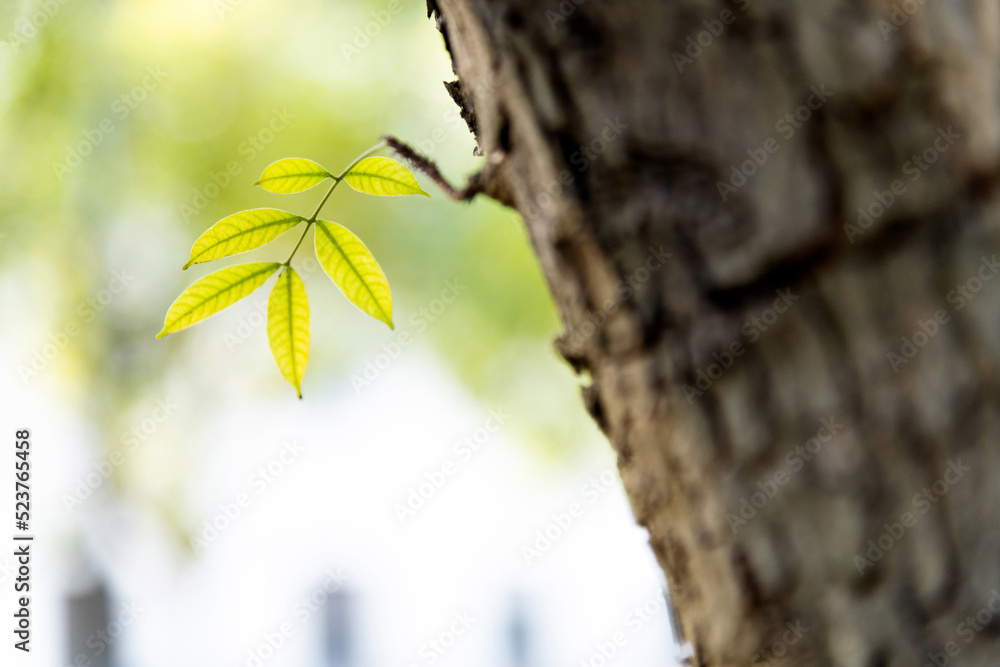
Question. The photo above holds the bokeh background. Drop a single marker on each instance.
(415, 507)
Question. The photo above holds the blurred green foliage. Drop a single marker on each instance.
(131, 126)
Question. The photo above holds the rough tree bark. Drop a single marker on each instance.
(707, 382)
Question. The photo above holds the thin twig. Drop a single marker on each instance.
(426, 165)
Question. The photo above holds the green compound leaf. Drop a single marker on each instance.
(208, 295)
(383, 176)
(288, 327)
(293, 174)
(241, 232)
(353, 269)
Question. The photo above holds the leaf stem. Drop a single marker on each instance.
(336, 181)
(288, 262)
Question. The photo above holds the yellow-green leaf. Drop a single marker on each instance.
(353, 269)
(384, 177)
(208, 295)
(241, 232)
(293, 174)
(288, 327)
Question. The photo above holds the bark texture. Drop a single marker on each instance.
(707, 382)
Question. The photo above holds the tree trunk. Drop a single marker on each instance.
(769, 229)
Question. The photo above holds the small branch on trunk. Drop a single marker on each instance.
(489, 180)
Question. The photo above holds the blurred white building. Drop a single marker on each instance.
(402, 527)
